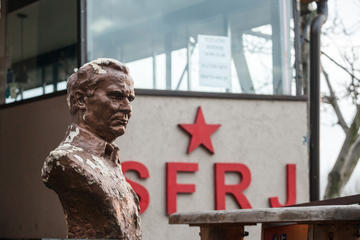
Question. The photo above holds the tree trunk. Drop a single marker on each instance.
(346, 161)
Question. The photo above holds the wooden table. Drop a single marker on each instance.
(332, 222)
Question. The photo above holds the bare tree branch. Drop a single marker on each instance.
(340, 173)
(353, 88)
(336, 63)
(341, 66)
(333, 101)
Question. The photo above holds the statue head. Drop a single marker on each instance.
(99, 96)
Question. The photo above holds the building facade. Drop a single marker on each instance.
(234, 62)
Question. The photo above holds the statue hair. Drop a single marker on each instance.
(86, 79)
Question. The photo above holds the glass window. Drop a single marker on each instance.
(198, 45)
(41, 47)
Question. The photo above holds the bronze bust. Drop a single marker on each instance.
(84, 170)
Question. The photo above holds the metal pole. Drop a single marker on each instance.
(188, 66)
(22, 17)
(3, 64)
(43, 80)
(154, 71)
(315, 99)
(297, 43)
(82, 33)
(228, 34)
(168, 52)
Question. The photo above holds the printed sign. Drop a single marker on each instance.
(214, 61)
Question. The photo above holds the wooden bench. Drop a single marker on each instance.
(328, 222)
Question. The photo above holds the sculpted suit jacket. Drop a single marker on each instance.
(85, 172)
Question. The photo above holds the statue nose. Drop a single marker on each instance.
(125, 108)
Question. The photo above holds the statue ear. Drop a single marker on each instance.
(79, 98)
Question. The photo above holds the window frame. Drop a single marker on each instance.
(82, 58)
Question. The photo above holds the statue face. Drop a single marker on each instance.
(108, 110)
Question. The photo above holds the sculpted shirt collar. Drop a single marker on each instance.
(83, 138)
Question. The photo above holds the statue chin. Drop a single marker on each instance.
(118, 131)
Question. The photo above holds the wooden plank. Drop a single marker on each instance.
(311, 232)
(221, 232)
(336, 231)
(292, 231)
(270, 215)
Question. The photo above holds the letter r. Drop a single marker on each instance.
(221, 189)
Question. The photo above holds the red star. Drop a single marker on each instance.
(200, 132)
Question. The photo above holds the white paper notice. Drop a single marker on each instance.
(214, 61)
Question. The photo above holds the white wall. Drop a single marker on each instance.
(264, 135)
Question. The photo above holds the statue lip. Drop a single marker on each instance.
(120, 120)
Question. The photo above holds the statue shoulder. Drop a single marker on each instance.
(63, 158)
(66, 151)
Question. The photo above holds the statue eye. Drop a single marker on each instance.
(131, 98)
(116, 95)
